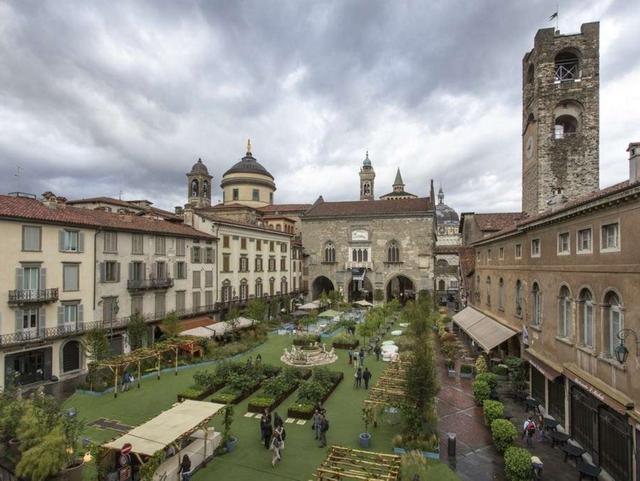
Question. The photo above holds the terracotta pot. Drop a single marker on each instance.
(14, 446)
(73, 472)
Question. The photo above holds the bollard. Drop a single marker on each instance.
(451, 445)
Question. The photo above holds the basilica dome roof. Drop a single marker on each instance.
(249, 165)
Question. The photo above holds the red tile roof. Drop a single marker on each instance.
(130, 204)
(421, 205)
(34, 210)
(453, 249)
(497, 221)
(285, 207)
(212, 216)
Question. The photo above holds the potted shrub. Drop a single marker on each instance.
(413, 466)
(367, 418)
(492, 410)
(501, 371)
(517, 464)
(481, 391)
(229, 441)
(481, 365)
(503, 433)
(72, 427)
(10, 415)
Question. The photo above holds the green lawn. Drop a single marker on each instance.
(250, 460)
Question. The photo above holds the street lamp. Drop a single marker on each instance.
(621, 351)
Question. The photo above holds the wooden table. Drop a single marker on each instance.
(589, 470)
(550, 424)
(572, 451)
(560, 438)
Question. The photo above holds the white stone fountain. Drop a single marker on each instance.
(314, 355)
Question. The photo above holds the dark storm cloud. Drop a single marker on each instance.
(98, 98)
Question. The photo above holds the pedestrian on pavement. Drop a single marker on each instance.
(268, 432)
(528, 430)
(361, 355)
(324, 427)
(377, 350)
(366, 376)
(265, 427)
(276, 446)
(317, 422)
(277, 421)
(350, 354)
(358, 378)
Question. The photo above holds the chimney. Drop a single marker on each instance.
(188, 215)
(179, 210)
(634, 161)
(52, 201)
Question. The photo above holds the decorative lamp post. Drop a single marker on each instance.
(621, 351)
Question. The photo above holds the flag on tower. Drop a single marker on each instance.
(555, 15)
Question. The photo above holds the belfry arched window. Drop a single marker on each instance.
(194, 188)
(205, 189)
(393, 252)
(537, 305)
(519, 298)
(567, 66)
(488, 291)
(329, 252)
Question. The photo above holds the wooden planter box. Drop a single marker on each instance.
(338, 345)
(252, 408)
(294, 413)
(202, 396)
(242, 396)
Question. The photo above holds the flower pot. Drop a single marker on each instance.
(14, 446)
(231, 443)
(365, 439)
(73, 472)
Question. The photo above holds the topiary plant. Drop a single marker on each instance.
(492, 410)
(503, 433)
(481, 391)
(517, 463)
(481, 365)
(490, 378)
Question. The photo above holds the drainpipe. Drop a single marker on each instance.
(95, 258)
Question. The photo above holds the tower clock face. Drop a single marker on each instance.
(528, 149)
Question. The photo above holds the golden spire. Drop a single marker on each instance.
(248, 146)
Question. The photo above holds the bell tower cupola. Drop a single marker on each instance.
(199, 185)
(367, 177)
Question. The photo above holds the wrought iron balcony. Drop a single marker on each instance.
(358, 264)
(142, 284)
(28, 296)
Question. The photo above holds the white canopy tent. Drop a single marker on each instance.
(218, 329)
(310, 306)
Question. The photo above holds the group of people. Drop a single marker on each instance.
(356, 357)
(272, 436)
(127, 381)
(320, 425)
(361, 376)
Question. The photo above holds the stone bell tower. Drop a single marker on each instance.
(199, 185)
(367, 177)
(560, 117)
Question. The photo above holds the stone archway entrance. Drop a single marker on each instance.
(360, 290)
(400, 287)
(321, 284)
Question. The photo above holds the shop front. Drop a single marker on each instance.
(547, 384)
(27, 367)
(600, 422)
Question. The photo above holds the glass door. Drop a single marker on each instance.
(30, 323)
(31, 282)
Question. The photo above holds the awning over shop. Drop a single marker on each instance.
(485, 331)
(546, 366)
(598, 388)
(169, 426)
(358, 273)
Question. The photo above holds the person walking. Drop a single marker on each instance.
(277, 421)
(359, 377)
(361, 356)
(350, 354)
(528, 430)
(324, 427)
(265, 428)
(185, 468)
(126, 381)
(276, 447)
(366, 376)
(377, 350)
(317, 422)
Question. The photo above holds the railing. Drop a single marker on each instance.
(357, 264)
(25, 296)
(162, 283)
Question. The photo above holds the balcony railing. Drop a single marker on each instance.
(358, 264)
(161, 283)
(29, 296)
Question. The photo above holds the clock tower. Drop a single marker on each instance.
(560, 117)
(367, 176)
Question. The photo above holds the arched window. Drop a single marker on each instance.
(283, 286)
(477, 289)
(359, 255)
(614, 321)
(194, 188)
(393, 252)
(365, 255)
(488, 291)
(564, 312)
(244, 290)
(205, 189)
(530, 73)
(536, 320)
(586, 318)
(441, 286)
(329, 252)
(354, 256)
(567, 66)
(519, 298)
(501, 294)
(71, 356)
(272, 286)
(258, 287)
(226, 290)
(565, 126)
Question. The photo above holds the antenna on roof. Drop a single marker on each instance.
(120, 195)
(18, 176)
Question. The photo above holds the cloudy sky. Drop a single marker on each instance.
(103, 98)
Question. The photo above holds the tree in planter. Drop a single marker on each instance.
(503, 433)
(171, 325)
(481, 365)
(378, 295)
(10, 414)
(367, 329)
(324, 299)
(492, 410)
(481, 391)
(517, 464)
(490, 378)
(46, 458)
(137, 332)
(228, 420)
(96, 344)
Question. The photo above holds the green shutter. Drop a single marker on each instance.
(80, 313)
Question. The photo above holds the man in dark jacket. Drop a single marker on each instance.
(366, 375)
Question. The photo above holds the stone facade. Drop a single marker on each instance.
(560, 117)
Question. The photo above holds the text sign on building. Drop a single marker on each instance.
(359, 235)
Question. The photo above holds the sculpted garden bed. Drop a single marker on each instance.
(241, 385)
(314, 391)
(345, 341)
(277, 389)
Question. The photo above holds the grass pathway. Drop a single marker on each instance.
(250, 460)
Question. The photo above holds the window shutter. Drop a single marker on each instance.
(19, 277)
(81, 242)
(193, 255)
(61, 240)
(80, 313)
(19, 315)
(117, 272)
(103, 272)
(42, 319)
(130, 271)
(60, 315)
(144, 270)
(43, 279)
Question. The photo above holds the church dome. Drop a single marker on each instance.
(199, 168)
(444, 213)
(249, 165)
(366, 162)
